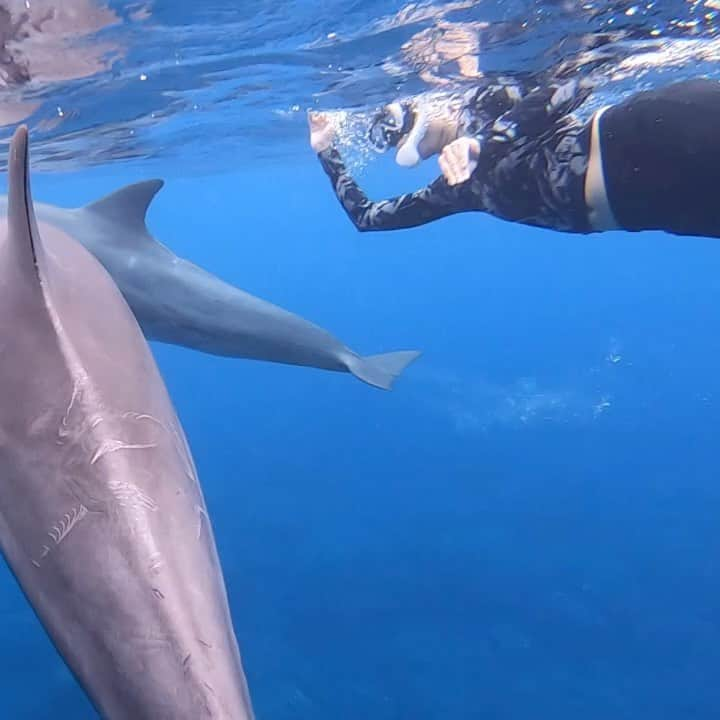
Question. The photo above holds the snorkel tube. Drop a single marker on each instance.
(408, 154)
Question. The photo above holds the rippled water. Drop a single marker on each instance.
(210, 85)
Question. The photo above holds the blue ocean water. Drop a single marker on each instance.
(526, 527)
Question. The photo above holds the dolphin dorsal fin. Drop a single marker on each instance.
(128, 205)
(23, 241)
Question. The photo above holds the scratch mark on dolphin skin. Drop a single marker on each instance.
(73, 399)
(142, 416)
(183, 451)
(129, 495)
(206, 644)
(158, 594)
(111, 446)
(155, 563)
(201, 514)
(61, 530)
(65, 430)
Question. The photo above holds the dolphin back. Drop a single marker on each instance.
(102, 519)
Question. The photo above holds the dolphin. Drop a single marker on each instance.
(179, 303)
(102, 519)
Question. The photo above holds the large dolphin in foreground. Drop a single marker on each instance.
(178, 302)
(102, 519)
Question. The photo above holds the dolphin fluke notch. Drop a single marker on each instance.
(128, 206)
(381, 371)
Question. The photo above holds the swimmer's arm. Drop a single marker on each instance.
(435, 201)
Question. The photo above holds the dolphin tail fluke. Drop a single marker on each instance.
(381, 371)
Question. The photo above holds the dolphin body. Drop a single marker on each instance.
(177, 302)
(102, 519)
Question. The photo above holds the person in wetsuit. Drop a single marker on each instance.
(649, 162)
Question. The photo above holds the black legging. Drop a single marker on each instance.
(661, 159)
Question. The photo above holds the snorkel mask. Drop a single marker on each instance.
(396, 123)
(390, 125)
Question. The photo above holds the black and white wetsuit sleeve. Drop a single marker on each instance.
(435, 201)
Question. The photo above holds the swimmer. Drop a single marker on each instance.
(518, 152)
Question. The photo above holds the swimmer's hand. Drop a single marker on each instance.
(322, 132)
(459, 159)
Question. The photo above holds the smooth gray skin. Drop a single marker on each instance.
(179, 303)
(102, 519)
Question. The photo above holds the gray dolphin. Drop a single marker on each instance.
(179, 303)
(102, 519)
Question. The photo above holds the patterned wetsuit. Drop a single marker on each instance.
(531, 167)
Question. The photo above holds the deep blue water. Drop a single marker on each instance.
(526, 527)
(429, 553)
